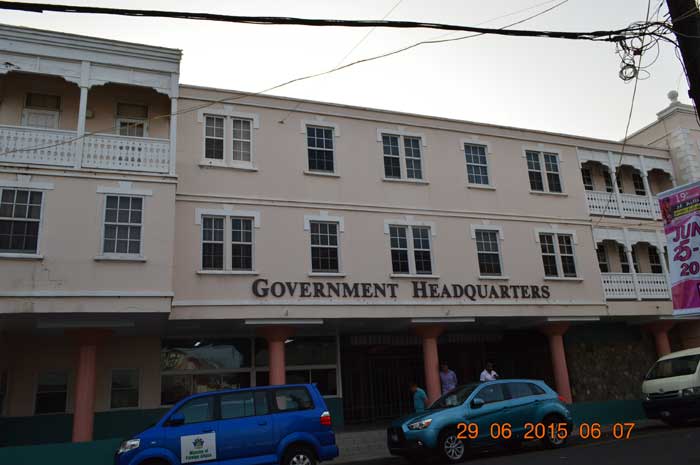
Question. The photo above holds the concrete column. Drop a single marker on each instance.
(173, 134)
(85, 381)
(82, 112)
(660, 330)
(630, 260)
(613, 177)
(555, 333)
(276, 335)
(431, 359)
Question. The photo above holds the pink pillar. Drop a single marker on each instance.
(660, 331)
(85, 381)
(431, 360)
(276, 335)
(555, 333)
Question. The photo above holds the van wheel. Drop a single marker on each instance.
(553, 441)
(452, 448)
(298, 455)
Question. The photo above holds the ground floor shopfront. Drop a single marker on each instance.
(71, 382)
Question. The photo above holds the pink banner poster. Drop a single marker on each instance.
(680, 212)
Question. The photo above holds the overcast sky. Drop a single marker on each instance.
(548, 84)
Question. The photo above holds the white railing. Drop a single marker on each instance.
(621, 286)
(104, 151)
(656, 208)
(42, 146)
(602, 203)
(631, 206)
(126, 153)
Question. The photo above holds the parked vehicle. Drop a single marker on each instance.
(289, 425)
(482, 414)
(671, 388)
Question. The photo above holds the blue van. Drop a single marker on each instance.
(287, 425)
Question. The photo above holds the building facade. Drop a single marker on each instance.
(282, 240)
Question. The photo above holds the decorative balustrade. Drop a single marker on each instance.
(630, 206)
(104, 151)
(621, 286)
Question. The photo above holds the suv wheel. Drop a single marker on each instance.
(451, 447)
(553, 441)
(299, 456)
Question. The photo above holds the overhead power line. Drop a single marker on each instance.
(614, 35)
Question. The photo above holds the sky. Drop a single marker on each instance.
(537, 83)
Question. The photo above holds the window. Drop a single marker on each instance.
(603, 263)
(131, 119)
(414, 242)
(638, 184)
(41, 111)
(618, 181)
(490, 394)
(624, 263)
(672, 367)
(51, 392)
(587, 179)
(558, 255)
(655, 261)
(319, 142)
(125, 389)
(517, 390)
(20, 215)
(324, 247)
(394, 167)
(237, 405)
(242, 139)
(43, 101)
(477, 165)
(608, 181)
(214, 137)
(488, 252)
(198, 410)
(123, 225)
(292, 399)
(3, 391)
(228, 139)
(215, 237)
(550, 161)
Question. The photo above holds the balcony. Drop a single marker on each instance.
(56, 147)
(629, 206)
(621, 286)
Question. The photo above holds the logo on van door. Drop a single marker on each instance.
(197, 448)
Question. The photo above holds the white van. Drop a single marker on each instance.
(671, 388)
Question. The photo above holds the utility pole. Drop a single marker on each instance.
(686, 25)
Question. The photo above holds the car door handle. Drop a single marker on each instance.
(262, 423)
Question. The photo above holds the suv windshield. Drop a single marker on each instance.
(457, 396)
(674, 367)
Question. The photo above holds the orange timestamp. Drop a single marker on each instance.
(534, 431)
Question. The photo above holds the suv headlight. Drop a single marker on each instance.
(420, 424)
(128, 445)
(693, 391)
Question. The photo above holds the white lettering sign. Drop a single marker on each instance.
(198, 447)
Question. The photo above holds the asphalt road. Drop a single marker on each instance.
(654, 446)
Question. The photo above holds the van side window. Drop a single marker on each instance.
(492, 393)
(292, 399)
(237, 405)
(536, 390)
(198, 410)
(261, 407)
(520, 390)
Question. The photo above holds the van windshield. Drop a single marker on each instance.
(457, 396)
(671, 367)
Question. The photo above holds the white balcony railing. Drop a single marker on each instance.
(630, 206)
(105, 151)
(621, 286)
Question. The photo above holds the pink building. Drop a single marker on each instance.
(350, 247)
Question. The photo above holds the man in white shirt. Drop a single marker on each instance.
(489, 374)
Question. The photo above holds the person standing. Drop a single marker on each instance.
(448, 378)
(489, 374)
(420, 398)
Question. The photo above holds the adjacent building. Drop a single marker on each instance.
(283, 240)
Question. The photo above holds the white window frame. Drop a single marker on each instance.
(590, 178)
(124, 189)
(229, 114)
(69, 389)
(123, 119)
(499, 231)
(333, 151)
(638, 187)
(228, 215)
(560, 272)
(222, 138)
(401, 134)
(138, 387)
(24, 182)
(409, 223)
(657, 253)
(606, 262)
(488, 153)
(325, 217)
(337, 247)
(321, 122)
(27, 110)
(541, 151)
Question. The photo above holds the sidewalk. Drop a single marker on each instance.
(359, 446)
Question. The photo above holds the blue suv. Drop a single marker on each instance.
(480, 414)
(288, 425)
